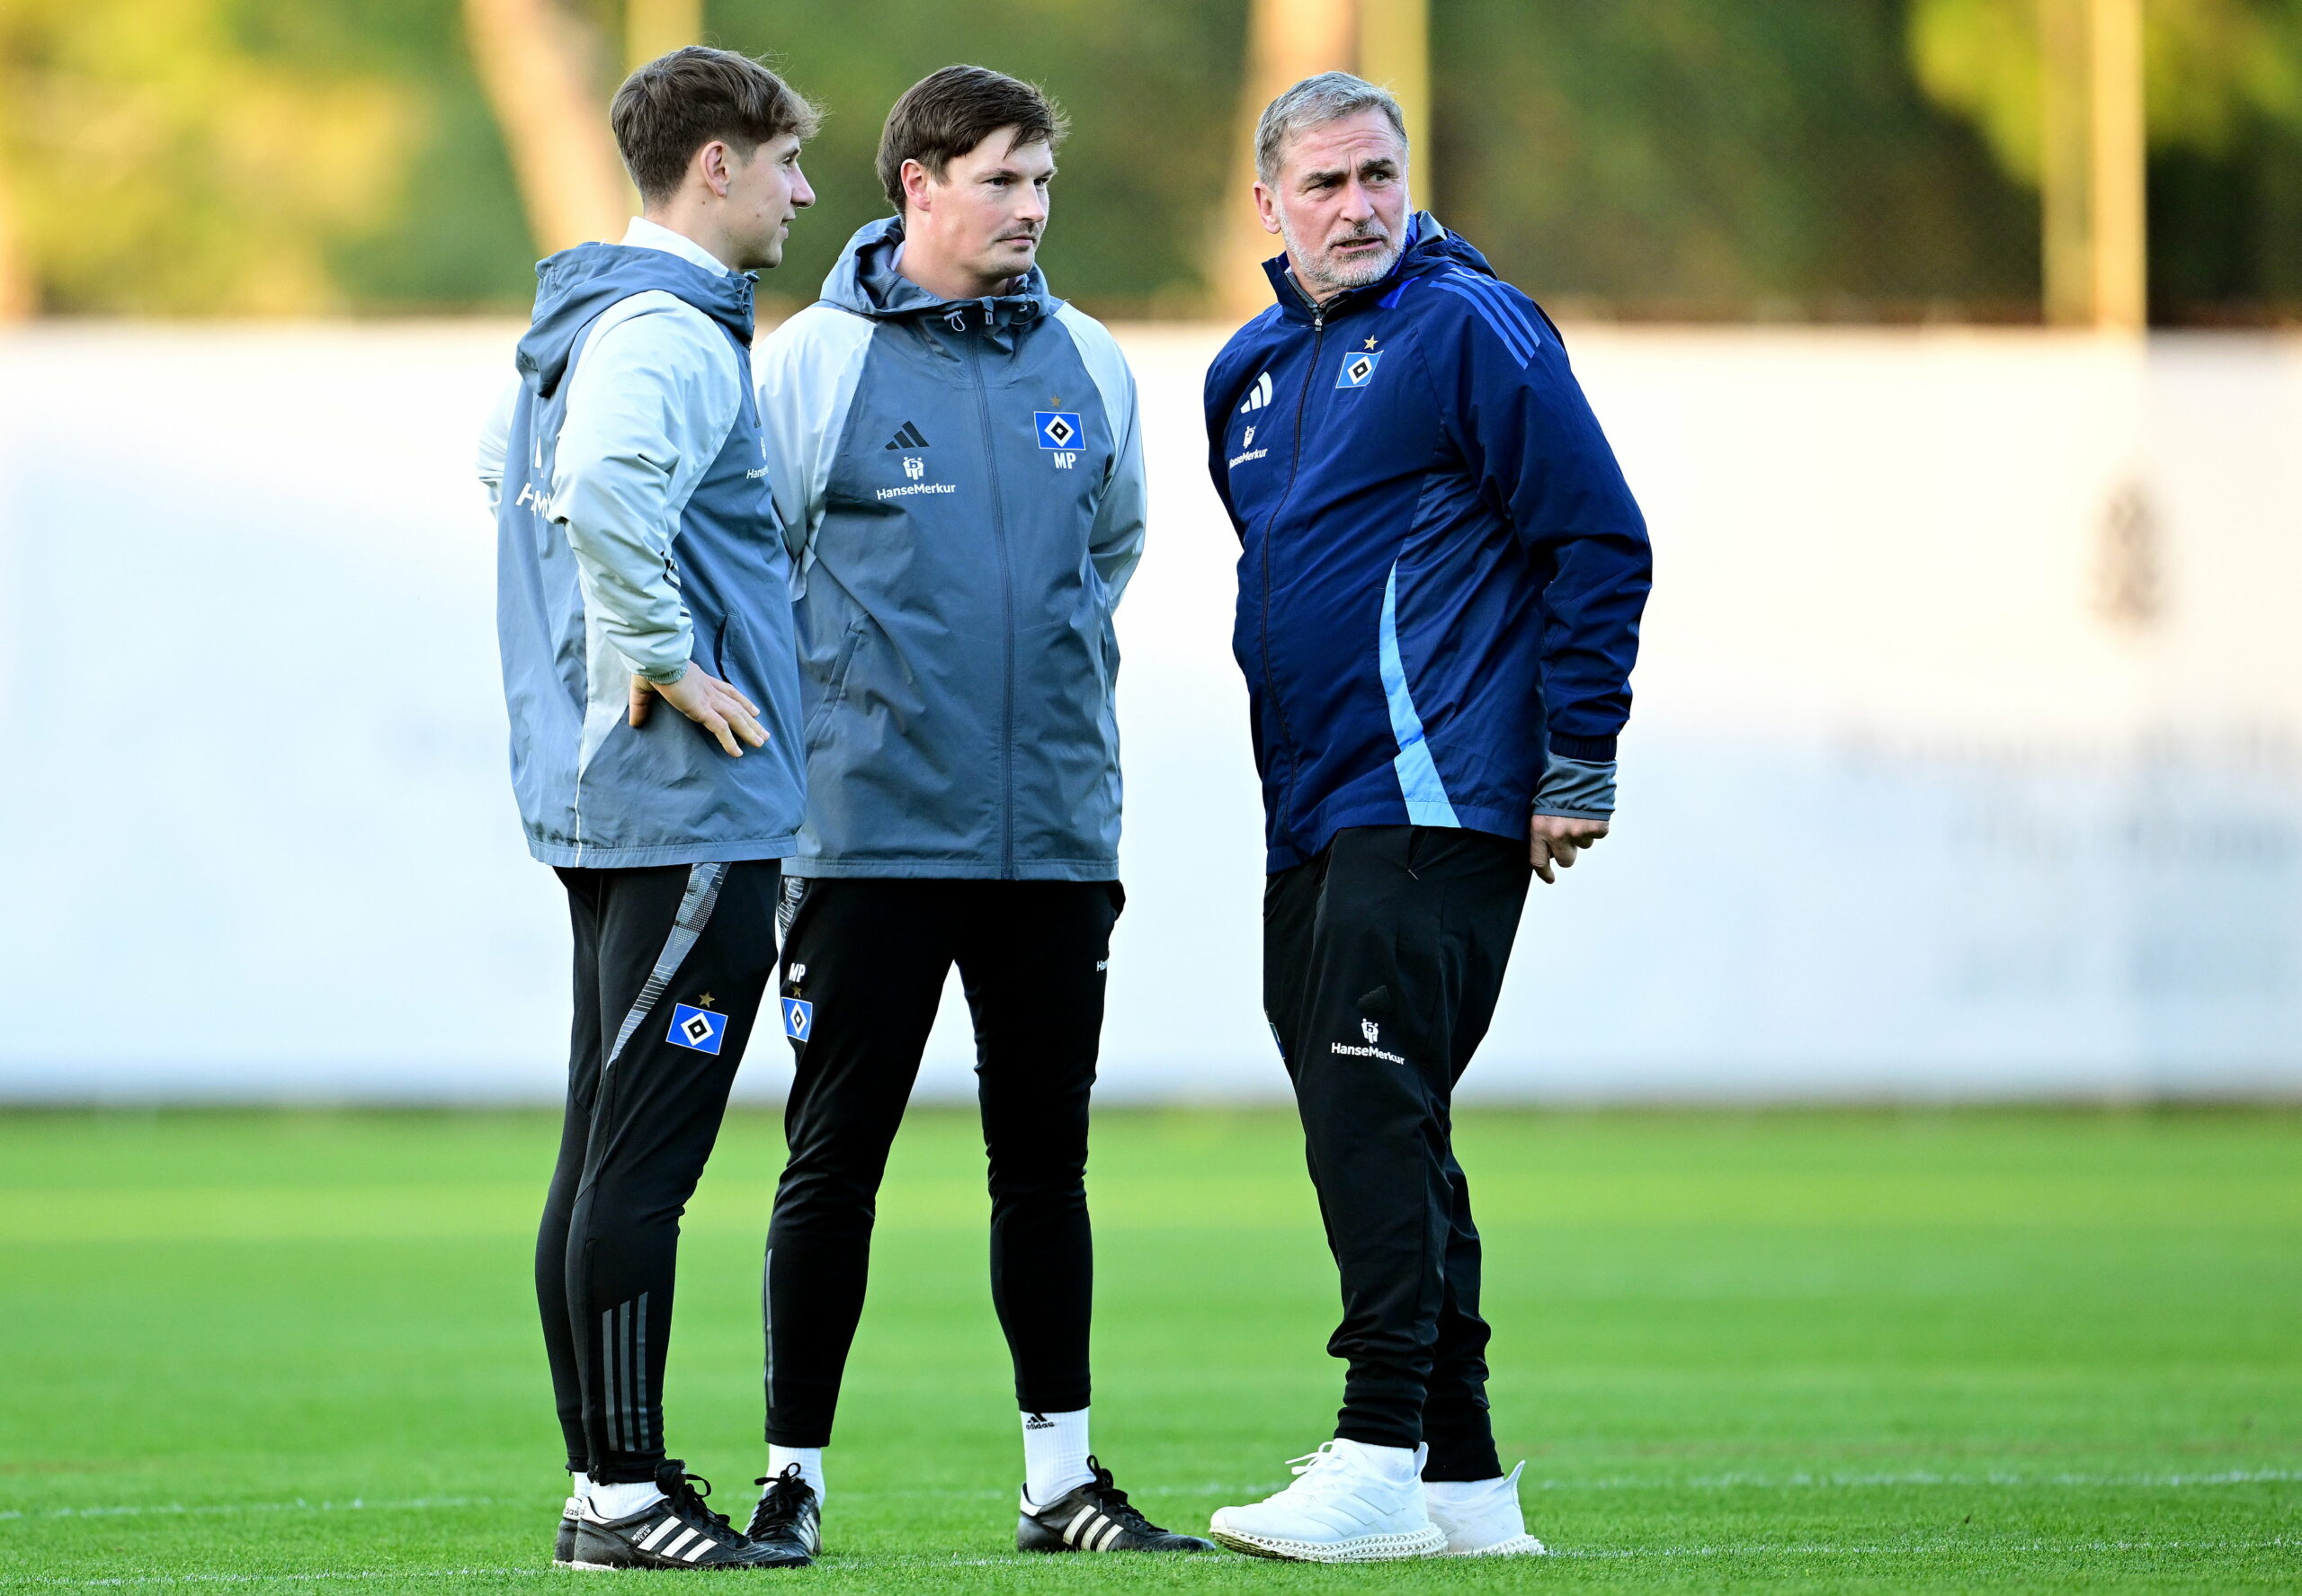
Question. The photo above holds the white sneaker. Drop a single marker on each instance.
(1481, 1518)
(1350, 1503)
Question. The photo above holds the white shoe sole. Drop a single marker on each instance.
(1518, 1546)
(1360, 1548)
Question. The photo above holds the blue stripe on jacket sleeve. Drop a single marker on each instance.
(1427, 803)
(1510, 326)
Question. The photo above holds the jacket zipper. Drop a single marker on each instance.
(1007, 610)
(1294, 469)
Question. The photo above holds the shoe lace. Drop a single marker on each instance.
(1317, 1470)
(687, 1501)
(785, 1498)
(1114, 1503)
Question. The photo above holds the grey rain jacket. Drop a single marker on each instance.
(636, 535)
(961, 488)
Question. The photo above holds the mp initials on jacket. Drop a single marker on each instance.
(961, 486)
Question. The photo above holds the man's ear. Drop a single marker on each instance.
(1267, 208)
(718, 171)
(918, 186)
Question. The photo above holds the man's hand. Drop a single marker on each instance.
(1556, 840)
(713, 705)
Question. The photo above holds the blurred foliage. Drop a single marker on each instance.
(192, 155)
(2214, 67)
(1707, 159)
(1150, 87)
(2224, 83)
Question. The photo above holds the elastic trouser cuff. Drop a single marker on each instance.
(1052, 1399)
(1463, 1457)
(635, 1472)
(777, 1437)
(1377, 1434)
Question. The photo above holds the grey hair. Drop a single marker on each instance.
(1328, 97)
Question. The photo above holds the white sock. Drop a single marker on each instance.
(1395, 1464)
(579, 1487)
(621, 1501)
(810, 1461)
(1055, 1455)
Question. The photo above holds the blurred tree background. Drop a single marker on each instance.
(1827, 159)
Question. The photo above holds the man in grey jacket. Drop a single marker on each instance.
(639, 559)
(958, 464)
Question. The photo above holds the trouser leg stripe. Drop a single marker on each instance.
(623, 1352)
(639, 1366)
(607, 1377)
(703, 881)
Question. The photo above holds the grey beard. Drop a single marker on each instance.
(1335, 280)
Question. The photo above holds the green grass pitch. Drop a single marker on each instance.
(1797, 1351)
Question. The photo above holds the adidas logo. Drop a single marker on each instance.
(909, 436)
(1258, 396)
(1039, 1422)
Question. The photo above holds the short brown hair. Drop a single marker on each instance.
(948, 113)
(679, 102)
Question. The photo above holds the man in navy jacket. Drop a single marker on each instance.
(1441, 578)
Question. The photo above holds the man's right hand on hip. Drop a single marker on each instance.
(711, 703)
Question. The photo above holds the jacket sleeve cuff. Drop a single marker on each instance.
(661, 674)
(1576, 789)
(1591, 750)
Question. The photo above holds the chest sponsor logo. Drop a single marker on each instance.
(1057, 429)
(1358, 368)
(1247, 451)
(914, 470)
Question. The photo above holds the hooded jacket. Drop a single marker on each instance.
(961, 488)
(636, 535)
(1442, 569)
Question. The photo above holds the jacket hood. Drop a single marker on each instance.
(1429, 245)
(866, 282)
(573, 286)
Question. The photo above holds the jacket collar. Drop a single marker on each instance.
(866, 282)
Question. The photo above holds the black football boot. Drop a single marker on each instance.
(790, 1516)
(1097, 1517)
(675, 1531)
(562, 1546)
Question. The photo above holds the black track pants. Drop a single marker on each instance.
(869, 958)
(643, 1111)
(1382, 960)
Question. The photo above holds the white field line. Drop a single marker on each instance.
(355, 1504)
(1019, 1560)
(1720, 1482)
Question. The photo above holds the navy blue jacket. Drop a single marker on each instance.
(1441, 568)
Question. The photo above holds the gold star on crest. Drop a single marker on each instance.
(704, 1002)
(1370, 343)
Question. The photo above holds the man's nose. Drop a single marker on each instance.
(802, 195)
(1358, 201)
